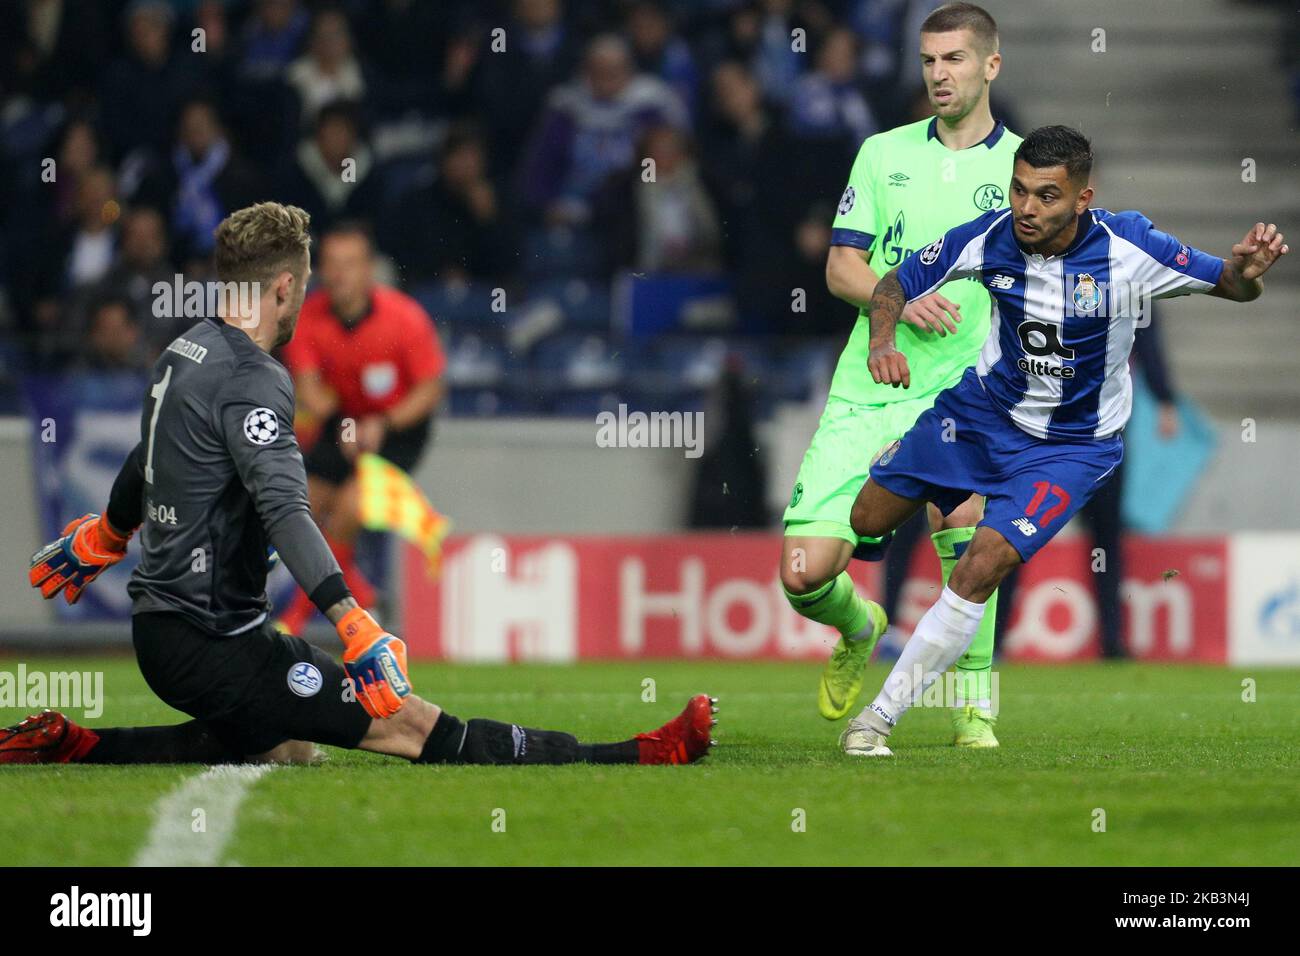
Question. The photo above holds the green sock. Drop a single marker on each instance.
(837, 604)
(976, 665)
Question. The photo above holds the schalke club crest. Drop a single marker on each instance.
(989, 196)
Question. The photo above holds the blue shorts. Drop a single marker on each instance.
(963, 445)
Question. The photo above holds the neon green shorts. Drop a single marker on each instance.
(838, 462)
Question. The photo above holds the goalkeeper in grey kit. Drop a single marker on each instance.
(217, 478)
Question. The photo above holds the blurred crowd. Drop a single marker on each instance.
(492, 144)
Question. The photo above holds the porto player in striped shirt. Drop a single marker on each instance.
(1035, 424)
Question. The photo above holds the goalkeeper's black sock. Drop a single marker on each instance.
(492, 742)
(625, 751)
(444, 743)
(190, 742)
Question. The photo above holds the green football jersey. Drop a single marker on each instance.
(905, 191)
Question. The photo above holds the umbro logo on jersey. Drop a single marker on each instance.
(1001, 282)
(1026, 526)
(899, 179)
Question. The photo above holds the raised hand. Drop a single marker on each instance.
(1258, 250)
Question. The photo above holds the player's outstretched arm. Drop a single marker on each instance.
(887, 364)
(92, 543)
(1240, 281)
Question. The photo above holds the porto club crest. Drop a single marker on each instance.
(1087, 296)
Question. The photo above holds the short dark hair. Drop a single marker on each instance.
(1058, 146)
(964, 16)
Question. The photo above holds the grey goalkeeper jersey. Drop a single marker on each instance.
(222, 477)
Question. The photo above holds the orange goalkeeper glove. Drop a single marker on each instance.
(376, 662)
(88, 547)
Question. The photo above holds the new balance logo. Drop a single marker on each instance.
(1001, 282)
(1026, 526)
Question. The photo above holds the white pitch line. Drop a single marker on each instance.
(218, 792)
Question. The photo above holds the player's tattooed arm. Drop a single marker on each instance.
(1251, 258)
(886, 363)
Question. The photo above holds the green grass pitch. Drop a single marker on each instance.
(1186, 772)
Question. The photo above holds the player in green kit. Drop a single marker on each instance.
(908, 186)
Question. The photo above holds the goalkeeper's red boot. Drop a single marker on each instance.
(684, 739)
(47, 737)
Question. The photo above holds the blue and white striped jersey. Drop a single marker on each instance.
(1056, 357)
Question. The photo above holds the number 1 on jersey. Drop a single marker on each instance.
(156, 393)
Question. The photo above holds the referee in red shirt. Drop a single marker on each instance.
(366, 361)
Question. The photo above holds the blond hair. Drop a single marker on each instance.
(257, 243)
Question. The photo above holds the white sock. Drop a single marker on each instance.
(941, 637)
